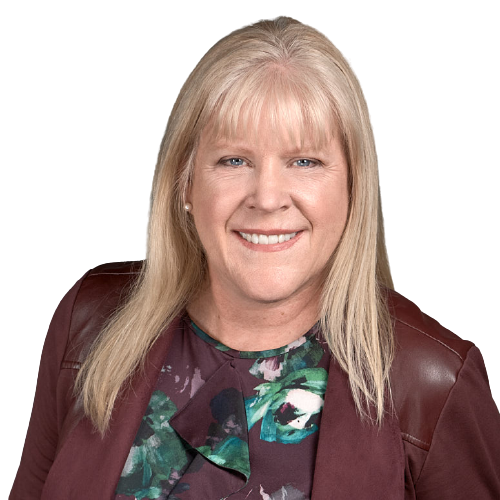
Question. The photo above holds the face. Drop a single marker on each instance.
(268, 212)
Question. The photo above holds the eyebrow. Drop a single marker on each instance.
(244, 150)
(230, 145)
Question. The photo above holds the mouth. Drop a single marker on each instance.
(267, 239)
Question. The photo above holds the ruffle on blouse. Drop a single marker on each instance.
(214, 424)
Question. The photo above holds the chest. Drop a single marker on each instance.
(243, 424)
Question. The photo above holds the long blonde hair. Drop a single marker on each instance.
(294, 74)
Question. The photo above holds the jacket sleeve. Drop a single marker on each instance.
(463, 462)
(42, 437)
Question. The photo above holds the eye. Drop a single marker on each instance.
(304, 162)
(232, 162)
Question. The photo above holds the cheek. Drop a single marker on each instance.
(328, 228)
(330, 223)
(338, 208)
(328, 206)
(213, 206)
(213, 192)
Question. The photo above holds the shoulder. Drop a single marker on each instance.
(101, 292)
(103, 288)
(113, 273)
(427, 364)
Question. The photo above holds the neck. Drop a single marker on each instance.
(249, 325)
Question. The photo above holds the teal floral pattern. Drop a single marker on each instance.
(199, 421)
(157, 458)
(290, 401)
(288, 407)
(226, 443)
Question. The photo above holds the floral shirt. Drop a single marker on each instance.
(224, 423)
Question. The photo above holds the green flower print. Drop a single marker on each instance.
(288, 407)
(226, 443)
(305, 352)
(157, 457)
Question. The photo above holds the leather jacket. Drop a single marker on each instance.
(440, 441)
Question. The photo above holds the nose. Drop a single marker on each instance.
(270, 189)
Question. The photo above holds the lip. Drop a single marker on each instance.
(275, 247)
(268, 232)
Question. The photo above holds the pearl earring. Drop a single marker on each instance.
(188, 207)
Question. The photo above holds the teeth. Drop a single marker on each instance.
(263, 239)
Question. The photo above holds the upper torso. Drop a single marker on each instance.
(440, 443)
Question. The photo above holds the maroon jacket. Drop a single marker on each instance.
(441, 442)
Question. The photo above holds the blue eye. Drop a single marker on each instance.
(304, 163)
(235, 162)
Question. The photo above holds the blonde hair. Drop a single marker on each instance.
(295, 75)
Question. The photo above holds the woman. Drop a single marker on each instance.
(259, 351)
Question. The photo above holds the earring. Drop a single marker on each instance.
(188, 207)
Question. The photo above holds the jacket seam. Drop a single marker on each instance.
(115, 274)
(68, 340)
(409, 438)
(431, 337)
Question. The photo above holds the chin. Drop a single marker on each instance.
(270, 290)
(267, 297)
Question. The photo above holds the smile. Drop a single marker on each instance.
(265, 239)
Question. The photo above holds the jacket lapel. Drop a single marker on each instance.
(88, 466)
(355, 459)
